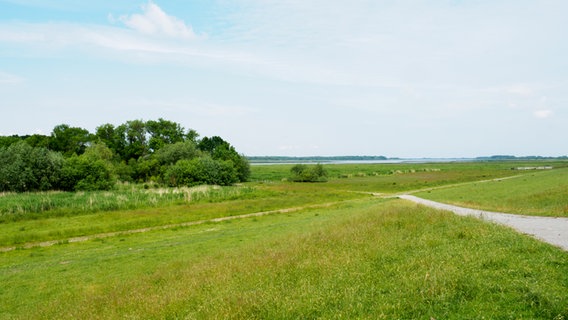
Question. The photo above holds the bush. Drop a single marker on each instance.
(24, 168)
(304, 173)
(92, 170)
(172, 153)
(203, 170)
(80, 173)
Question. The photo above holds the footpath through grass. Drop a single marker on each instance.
(362, 257)
(539, 193)
(38, 217)
(369, 259)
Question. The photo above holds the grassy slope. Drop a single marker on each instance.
(73, 215)
(368, 259)
(365, 258)
(262, 198)
(542, 193)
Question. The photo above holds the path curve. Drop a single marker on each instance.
(553, 230)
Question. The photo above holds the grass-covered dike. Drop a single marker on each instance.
(360, 256)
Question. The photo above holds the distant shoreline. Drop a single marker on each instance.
(267, 160)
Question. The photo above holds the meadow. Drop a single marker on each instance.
(342, 253)
(539, 193)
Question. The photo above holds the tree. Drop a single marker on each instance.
(24, 168)
(172, 153)
(7, 141)
(71, 158)
(132, 135)
(192, 136)
(38, 140)
(163, 132)
(92, 170)
(69, 140)
(211, 144)
(220, 149)
(112, 138)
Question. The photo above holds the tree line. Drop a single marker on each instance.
(159, 151)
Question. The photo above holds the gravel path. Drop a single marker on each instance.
(548, 229)
(551, 230)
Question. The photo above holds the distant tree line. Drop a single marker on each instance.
(161, 151)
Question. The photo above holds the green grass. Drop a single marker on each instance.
(369, 259)
(543, 193)
(254, 198)
(359, 257)
(386, 178)
(401, 177)
(42, 205)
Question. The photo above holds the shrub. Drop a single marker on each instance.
(304, 173)
(24, 168)
(203, 170)
(92, 170)
(80, 173)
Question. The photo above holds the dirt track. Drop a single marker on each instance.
(163, 227)
(548, 229)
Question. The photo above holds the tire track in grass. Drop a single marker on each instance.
(49, 243)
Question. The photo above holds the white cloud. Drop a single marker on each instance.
(521, 90)
(155, 22)
(543, 114)
(6, 78)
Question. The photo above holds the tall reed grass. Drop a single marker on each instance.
(42, 205)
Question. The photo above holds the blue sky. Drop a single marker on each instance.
(437, 78)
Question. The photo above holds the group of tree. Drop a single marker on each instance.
(161, 151)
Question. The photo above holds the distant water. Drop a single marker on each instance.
(409, 160)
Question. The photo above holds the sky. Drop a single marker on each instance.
(406, 78)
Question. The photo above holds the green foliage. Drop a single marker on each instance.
(69, 140)
(6, 141)
(204, 170)
(38, 140)
(171, 153)
(135, 151)
(220, 149)
(89, 171)
(305, 173)
(367, 258)
(23, 168)
(132, 135)
(163, 132)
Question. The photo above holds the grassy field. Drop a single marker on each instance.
(358, 257)
(543, 193)
(238, 200)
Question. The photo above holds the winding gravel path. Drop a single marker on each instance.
(548, 229)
